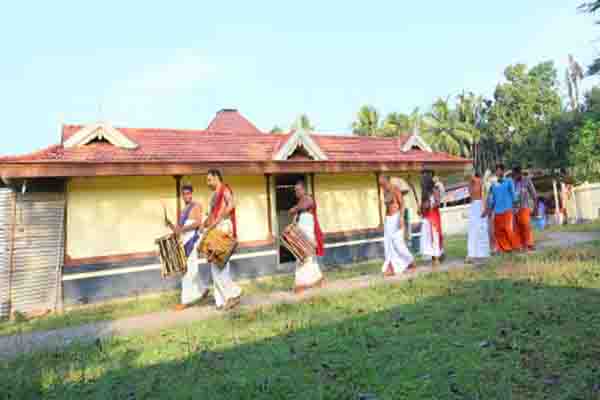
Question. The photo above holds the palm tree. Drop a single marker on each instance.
(303, 122)
(446, 132)
(574, 75)
(396, 124)
(367, 122)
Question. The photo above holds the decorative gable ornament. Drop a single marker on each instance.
(415, 140)
(300, 139)
(100, 131)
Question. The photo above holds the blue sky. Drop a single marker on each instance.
(174, 64)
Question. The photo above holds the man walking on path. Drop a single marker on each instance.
(500, 200)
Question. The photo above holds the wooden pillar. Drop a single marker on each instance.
(177, 196)
(377, 175)
(269, 207)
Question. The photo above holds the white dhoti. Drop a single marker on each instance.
(193, 287)
(478, 244)
(397, 254)
(224, 287)
(430, 240)
(308, 273)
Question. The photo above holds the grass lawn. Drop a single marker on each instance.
(522, 328)
(456, 247)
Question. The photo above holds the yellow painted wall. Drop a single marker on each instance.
(347, 201)
(250, 194)
(116, 215)
(120, 215)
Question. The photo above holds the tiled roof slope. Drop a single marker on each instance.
(222, 143)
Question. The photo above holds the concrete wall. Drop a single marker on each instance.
(116, 215)
(347, 201)
(250, 193)
(455, 219)
(586, 201)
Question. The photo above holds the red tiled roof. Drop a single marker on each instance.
(229, 138)
(231, 121)
(156, 145)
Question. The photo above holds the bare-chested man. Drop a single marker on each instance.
(189, 227)
(221, 216)
(478, 244)
(397, 256)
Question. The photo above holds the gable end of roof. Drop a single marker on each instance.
(300, 139)
(100, 131)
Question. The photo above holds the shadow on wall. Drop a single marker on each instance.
(486, 339)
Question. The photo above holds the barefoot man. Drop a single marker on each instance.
(189, 226)
(525, 198)
(221, 216)
(478, 244)
(432, 239)
(308, 274)
(500, 202)
(397, 256)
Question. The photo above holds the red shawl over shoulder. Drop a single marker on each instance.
(219, 204)
(318, 231)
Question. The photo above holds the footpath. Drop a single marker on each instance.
(15, 345)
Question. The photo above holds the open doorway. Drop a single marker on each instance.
(285, 198)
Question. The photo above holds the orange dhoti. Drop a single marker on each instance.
(506, 240)
(523, 229)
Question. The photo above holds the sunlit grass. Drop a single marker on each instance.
(524, 327)
(456, 248)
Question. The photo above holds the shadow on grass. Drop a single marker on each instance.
(467, 335)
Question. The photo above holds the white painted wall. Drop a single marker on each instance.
(586, 201)
(455, 219)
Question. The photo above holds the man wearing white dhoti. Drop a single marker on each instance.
(398, 258)
(432, 238)
(222, 216)
(193, 287)
(478, 243)
(308, 273)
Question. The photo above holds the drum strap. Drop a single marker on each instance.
(318, 232)
(219, 203)
(191, 243)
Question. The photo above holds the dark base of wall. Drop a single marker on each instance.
(102, 288)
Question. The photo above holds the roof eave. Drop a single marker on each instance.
(88, 169)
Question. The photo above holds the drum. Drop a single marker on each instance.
(297, 243)
(218, 247)
(173, 261)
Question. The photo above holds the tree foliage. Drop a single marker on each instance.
(591, 7)
(523, 105)
(367, 122)
(585, 150)
(302, 122)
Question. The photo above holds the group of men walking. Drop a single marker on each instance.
(193, 223)
(503, 203)
(499, 219)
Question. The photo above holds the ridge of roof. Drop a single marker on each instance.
(229, 120)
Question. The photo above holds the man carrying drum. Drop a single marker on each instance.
(193, 287)
(308, 273)
(221, 216)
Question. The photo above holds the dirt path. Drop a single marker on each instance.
(13, 346)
